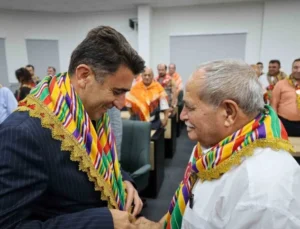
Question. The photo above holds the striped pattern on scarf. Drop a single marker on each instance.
(265, 130)
(96, 143)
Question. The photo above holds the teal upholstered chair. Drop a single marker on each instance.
(135, 157)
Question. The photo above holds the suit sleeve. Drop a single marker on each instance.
(127, 177)
(23, 179)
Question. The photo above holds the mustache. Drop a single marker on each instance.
(188, 124)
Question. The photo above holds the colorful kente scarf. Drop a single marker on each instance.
(143, 100)
(295, 84)
(264, 131)
(55, 102)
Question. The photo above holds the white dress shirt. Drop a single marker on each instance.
(262, 192)
(8, 103)
(264, 81)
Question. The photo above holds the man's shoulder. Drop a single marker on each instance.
(5, 91)
(282, 83)
(271, 168)
(20, 119)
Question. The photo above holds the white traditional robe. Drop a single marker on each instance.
(263, 192)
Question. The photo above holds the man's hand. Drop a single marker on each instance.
(122, 219)
(133, 197)
(143, 223)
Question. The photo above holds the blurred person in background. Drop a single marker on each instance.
(51, 71)
(26, 83)
(176, 77)
(274, 75)
(168, 84)
(35, 78)
(147, 99)
(8, 103)
(286, 100)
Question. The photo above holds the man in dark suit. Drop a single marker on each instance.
(48, 176)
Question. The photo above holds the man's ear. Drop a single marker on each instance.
(230, 109)
(82, 74)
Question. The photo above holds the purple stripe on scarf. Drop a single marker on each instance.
(68, 100)
(88, 143)
(171, 207)
(194, 168)
(261, 131)
(76, 134)
(185, 193)
(112, 151)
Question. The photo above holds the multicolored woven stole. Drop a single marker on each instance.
(55, 102)
(264, 131)
(295, 84)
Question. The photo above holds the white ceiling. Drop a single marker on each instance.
(72, 6)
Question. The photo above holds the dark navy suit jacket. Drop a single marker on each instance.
(40, 187)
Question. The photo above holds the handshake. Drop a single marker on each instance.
(143, 223)
(125, 220)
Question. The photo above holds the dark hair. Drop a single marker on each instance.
(275, 62)
(53, 68)
(23, 75)
(30, 66)
(104, 50)
(259, 63)
(296, 60)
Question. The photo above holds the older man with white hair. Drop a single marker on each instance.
(241, 174)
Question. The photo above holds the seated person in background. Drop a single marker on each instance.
(176, 77)
(8, 103)
(167, 83)
(51, 71)
(35, 78)
(241, 174)
(286, 100)
(26, 83)
(146, 99)
(274, 76)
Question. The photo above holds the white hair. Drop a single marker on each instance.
(234, 80)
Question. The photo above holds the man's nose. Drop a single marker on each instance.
(183, 115)
(119, 102)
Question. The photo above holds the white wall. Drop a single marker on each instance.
(281, 33)
(68, 29)
(272, 28)
(208, 19)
